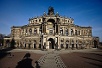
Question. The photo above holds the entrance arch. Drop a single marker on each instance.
(95, 44)
(7, 43)
(51, 20)
(51, 43)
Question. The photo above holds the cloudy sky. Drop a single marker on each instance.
(84, 12)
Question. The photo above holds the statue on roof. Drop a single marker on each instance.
(50, 11)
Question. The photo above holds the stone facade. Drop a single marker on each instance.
(52, 31)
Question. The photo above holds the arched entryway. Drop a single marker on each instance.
(51, 43)
(7, 43)
(51, 20)
(95, 44)
(34, 44)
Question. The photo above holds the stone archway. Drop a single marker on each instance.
(8, 43)
(51, 21)
(35, 44)
(51, 43)
(95, 44)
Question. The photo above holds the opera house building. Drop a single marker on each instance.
(51, 31)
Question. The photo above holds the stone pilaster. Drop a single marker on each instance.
(37, 30)
(63, 31)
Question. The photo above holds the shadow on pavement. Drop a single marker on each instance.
(26, 62)
(4, 53)
(97, 54)
(98, 65)
(92, 59)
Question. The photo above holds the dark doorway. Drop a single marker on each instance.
(39, 45)
(52, 43)
(34, 46)
(95, 44)
(29, 46)
(72, 46)
(66, 46)
(25, 45)
(7, 43)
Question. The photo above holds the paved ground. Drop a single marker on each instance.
(16, 60)
(88, 58)
(51, 60)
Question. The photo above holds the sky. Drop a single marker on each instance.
(84, 12)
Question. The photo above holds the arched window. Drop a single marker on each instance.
(26, 30)
(71, 31)
(34, 43)
(75, 32)
(79, 32)
(72, 42)
(67, 41)
(30, 31)
(39, 20)
(61, 31)
(62, 41)
(67, 32)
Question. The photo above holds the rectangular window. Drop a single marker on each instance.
(50, 32)
(67, 32)
(61, 31)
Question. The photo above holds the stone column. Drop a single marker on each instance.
(42, 28)
(75, 43)
(55, 29)
(26, 45)
(69, 31)
(64, 43)
(37, 44)
(32, 30)
(58, 28)
(74, 31)
(28, 32)
(19, 45)
(63, 31)
(47, 45)
(59, 43)
(46, 29)
(37, 30)
(4, 43)
(33, 44)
